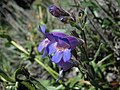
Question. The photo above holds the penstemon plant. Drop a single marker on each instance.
(59, 46)
(86, 57)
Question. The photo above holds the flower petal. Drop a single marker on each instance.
(72, 41)
(52, 48)
(65, 65)
(57, 57)
(62, 43)
(50, 37)
(59, 34)
(42, 29)
(45, 52)
(67, 55)
(40, 47)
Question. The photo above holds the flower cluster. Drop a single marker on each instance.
(58, 46)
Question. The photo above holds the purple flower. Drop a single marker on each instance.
(58, 46)
(63, 15)
(65, 65)
(57, 12)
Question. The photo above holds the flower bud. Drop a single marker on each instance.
(63, 15)
(57, 12)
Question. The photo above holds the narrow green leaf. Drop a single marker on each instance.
(103, 67)
(107, 57)
(50, 70)
(39, 84)
(28, 85)
(19, 47)
(5, 77)
(98, 51)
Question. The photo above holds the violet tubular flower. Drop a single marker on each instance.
(44, 44)
(60, 13)
(58, 46)
(57, 12)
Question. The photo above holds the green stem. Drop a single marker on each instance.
(46, 67)
(50, 70)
